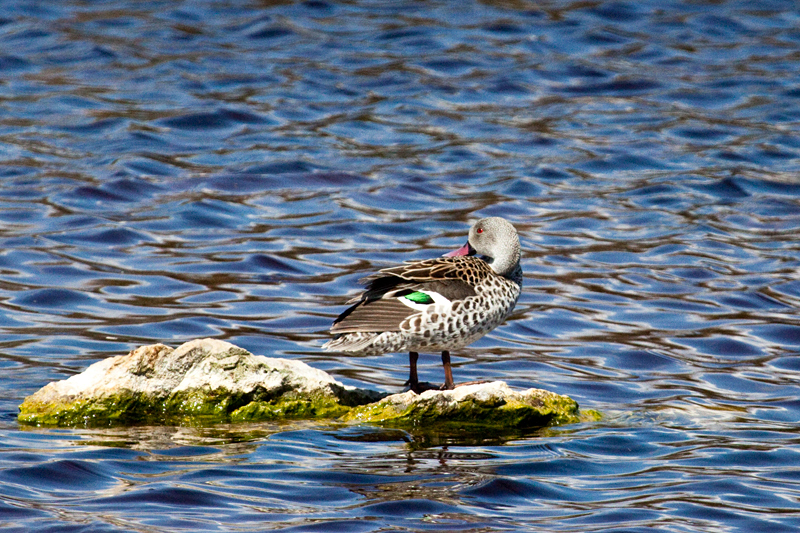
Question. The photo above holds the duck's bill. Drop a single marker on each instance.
(464, 250)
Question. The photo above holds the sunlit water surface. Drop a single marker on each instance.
(175, 170)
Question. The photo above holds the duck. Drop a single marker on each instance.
(435, 305)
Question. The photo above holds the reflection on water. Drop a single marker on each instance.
(192, 169)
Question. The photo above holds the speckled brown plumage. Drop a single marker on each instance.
(436, 305)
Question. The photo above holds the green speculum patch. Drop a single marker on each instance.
(419, 297)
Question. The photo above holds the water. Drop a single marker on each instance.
(174, 170)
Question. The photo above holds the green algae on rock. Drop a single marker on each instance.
(207, 381)
(204, 381)
(484, 404)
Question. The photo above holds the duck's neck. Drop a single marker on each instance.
(507, 264)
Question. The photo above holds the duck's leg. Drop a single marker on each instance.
(448, 372)
(413, 380)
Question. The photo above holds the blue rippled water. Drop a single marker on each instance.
(174, 170)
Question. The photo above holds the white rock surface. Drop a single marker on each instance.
(204, 377)
(209, 381)
(203, 364)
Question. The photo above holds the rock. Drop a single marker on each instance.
(486, 404)
(201, 382)
(209, 381)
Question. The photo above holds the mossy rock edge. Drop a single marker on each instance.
(485, 405)
(128, 409)
(206, 382)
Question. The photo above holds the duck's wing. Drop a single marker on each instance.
(468, 269)
(394, 294)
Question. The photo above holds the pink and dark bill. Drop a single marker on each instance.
(464, 250)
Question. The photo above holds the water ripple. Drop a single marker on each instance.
(182, 170)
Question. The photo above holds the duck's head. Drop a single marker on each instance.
(495, 240)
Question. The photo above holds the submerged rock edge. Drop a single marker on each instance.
(492, 404)
(207, 381)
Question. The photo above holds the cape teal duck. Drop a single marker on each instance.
(437, 305)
